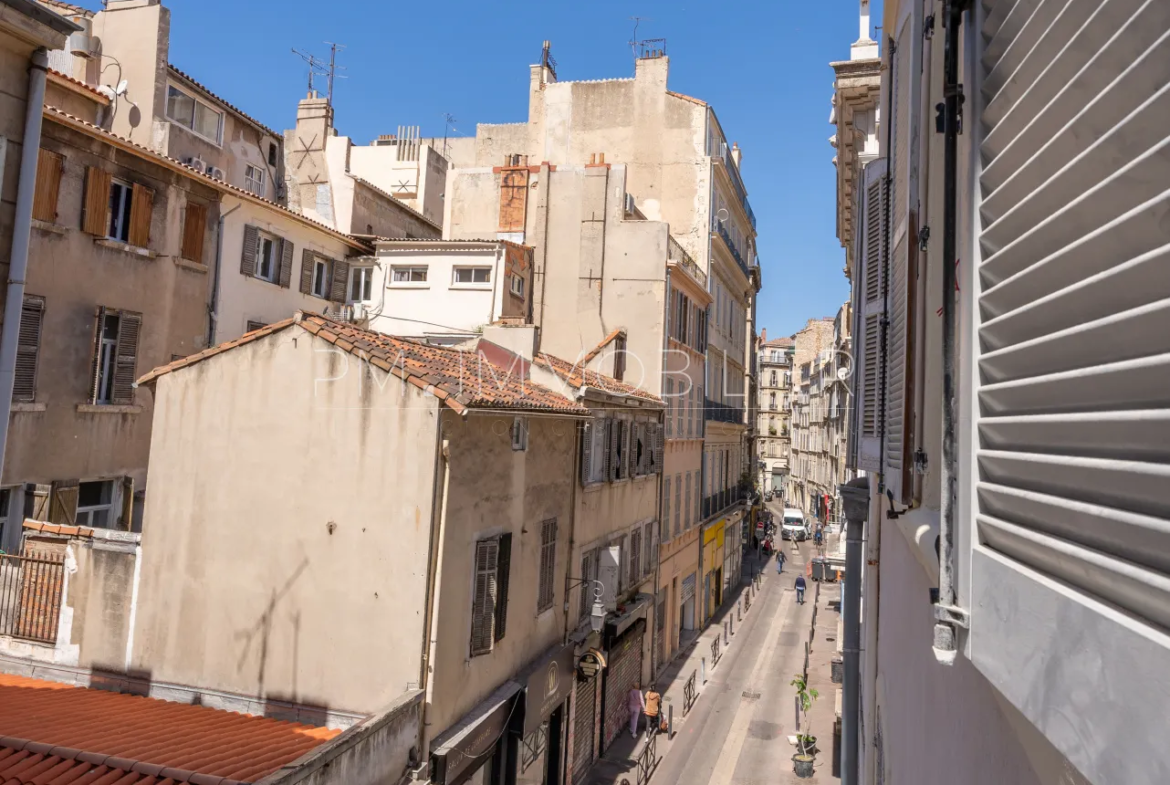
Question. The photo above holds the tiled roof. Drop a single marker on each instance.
(579, 376)
(58, 734)
(66, 8)
(77, 83)
(461, 379)
(472, 240)
(64, 117)
(236, 109)
(56, 528)
(780, 342)
(687, 98)
(398, 202)
(606, 341)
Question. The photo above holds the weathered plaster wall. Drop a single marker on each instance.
(101, 594)
(289, 579)
(138, 34)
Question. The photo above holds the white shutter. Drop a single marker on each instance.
(871, 310)
(1071, 391)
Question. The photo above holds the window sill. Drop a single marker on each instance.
(471, 287)
(403, 285)
(107, 408)
(28, 407)
(187, 264)
(45, 226)
(118, 245)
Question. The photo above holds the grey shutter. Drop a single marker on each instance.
(586, 452)
(612, 456)
(286, 260)
(340, 280)
(483, 602)
(307, 260)
(1070, 401)
(666, 507)
(32, 313)
(95, 367)
(872, 311)
(126, 361)
(502, 574)
(248, 252)
(658, 446)
(626, 440)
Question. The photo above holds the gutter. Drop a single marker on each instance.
(441, 482)
(213, 305)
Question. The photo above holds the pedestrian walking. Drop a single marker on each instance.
(800, 584)
(779, 561)
(653, 708)
(636, 704)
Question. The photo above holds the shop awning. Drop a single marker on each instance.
(463, 747)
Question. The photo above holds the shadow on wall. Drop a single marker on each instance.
(260, 634)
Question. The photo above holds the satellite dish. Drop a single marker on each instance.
(121, 90)
(107, 91)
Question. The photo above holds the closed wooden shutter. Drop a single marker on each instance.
(286, 260)
(95, 218)
(872, 311)
(657, 448)
(612, 456)
(32, 314)
(666, 508)
(586, 452)
(126, 363)
(308, 259)
(502, 574)
(141, 210)
(483, 602)
(194, 229)
(249, 251)
(95, 366)
(63, 502)
(126, 521)
(546, 592)
(340, 269)
(37, 498)
(49, 168)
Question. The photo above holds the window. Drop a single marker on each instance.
(594, 446)
(254, 179)
(320, 277)
(115, 357)
(193, 114)
(548, 560)
(516, 285)
(773, 379)
(670, 407)
(489, 604)
(361, 284)
(94, 503)
(589, 569)
(678, 497)
(253, 326)
(634, 558)
(688, 516)
(472, 275)
(267, 261)
(519, 434)
(772, 399)
(272, 154)
(28, 346)
(121, 202)
(409, 274)
(666, 509)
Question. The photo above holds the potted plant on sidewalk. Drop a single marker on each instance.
(806, 743)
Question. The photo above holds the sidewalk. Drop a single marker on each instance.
(620, 761)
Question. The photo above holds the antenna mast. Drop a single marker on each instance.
(448, 124)
(316, 67)
(333, 66)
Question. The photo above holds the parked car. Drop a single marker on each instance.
(794, 526)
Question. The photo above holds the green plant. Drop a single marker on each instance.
(807, 696)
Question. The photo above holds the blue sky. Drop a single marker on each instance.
(762, 64)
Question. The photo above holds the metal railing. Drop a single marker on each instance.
(715, 653)
(690, 693)
(679, 255)
(722, 412)
(30, 596)
(648, 758)
(743, 265)
(720, 501)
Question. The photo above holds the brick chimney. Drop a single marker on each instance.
(763, 335)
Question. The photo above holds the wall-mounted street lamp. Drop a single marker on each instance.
(597, 614)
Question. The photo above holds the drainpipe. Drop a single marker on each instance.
(442, 483)
(947, 616)
(213, 309)
(918, 474)
(21, 231)
(855, 500)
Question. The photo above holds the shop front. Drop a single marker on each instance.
(626, 646)
(714, 536)
(539, 733)
(586, 704)
(679, 563)
(474, 750)
(732, 550)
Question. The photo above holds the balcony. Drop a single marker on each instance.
(678, 255)
(743, 265)
(722, 412)
(721, 501)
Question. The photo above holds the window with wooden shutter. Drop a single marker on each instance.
(337, 292)
(587, 453)
(63, 502)
(666, 509)
(249, 250)
(194, 230)
(141, 210)
(867, 374)
(129, 330)
(634, 562)
(546, 592)
(613, 454)
(502, 574)
(483, 602)
(49, 168)
(32, 314)
(95, 217)
(650, 541)
(286, 262)
(308, 260)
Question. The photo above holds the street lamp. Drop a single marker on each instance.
(597, 613)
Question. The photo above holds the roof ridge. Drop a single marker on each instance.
(223, 101)
(394, 199)
(606, 341)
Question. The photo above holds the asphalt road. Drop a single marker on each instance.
(737, 732)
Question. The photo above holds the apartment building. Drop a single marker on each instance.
(812, 346)
(1015, 534)
(774, 424)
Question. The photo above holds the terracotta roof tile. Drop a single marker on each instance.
(467, 378)
(67, 8)
(606, 341)
(578, 376)
(63, 735)
(687, 98)
(99, 97)
(780, 342)
(57, 528)
(236, 109)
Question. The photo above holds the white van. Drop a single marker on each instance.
(794, 526)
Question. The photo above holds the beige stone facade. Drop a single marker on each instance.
(813, 348)
(774, 425)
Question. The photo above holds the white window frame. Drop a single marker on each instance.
(516, 285)
(254, 182)
(409, 273)
(120, 206)
(273, 259)
(322, 278)
(85, 515)
(218, 138)
(366, 274)
(107, 358)
(519, 434)
(472, 284)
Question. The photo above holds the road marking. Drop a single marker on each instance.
(725, 766)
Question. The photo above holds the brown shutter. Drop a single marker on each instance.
(129, 327)
(49, 166)
(125, 523)
(286, 257)
(36, 500)
(95, 369)
(141, 209)
(307, 259)
(63, 502)
(483, 601)
(248, 255)
(503, 568)
(340, 280)
(96, 214)
(24, 387)
(194, 228)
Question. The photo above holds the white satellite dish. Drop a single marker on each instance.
(107, 91)
(121, 90)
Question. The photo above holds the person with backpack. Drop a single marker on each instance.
(653, 703)
(800, 586)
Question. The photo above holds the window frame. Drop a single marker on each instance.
(516, 285)
(366, 273)
(546, 581)
(91, 509)
(119, 217)
(472, 284)
(195, 104)
(519, 434)
(107, 359)
(323, 275)
(273, 259)
(410, 270)
(252, 183)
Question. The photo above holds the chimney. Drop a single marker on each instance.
(652, 72)
(314, 116)
(763, 335)
(736, 153)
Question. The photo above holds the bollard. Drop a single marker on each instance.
(703, 669)
(670, 721)
(725, 641)
(731, 624)
(739, 611)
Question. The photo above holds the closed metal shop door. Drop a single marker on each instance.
(625, 669)
(584, 719)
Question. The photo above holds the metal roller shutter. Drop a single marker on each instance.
(625, 669)
(584, 721)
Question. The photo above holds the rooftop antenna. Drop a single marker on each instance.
(333, 66)
(448, 124)
(637, 20)
(316, 67)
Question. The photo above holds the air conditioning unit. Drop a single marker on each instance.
(357, 312)
(216, 172)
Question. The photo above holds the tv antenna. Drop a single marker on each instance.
(316, 67)
(637, 20)
(333, 66)
(448, 125)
